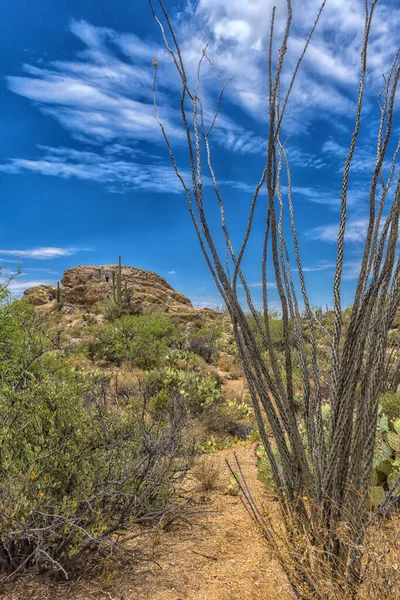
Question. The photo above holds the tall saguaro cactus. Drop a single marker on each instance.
(119, 282)
(58, 294)
(113, 287)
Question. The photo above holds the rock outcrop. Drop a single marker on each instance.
(40, 294)
(84, 287)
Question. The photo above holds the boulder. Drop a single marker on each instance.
(86, 286)
(40, 294)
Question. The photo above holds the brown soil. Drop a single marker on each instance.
(220, 555)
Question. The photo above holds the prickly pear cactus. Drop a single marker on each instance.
(386, 465)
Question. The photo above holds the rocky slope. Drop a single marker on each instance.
(84, 287)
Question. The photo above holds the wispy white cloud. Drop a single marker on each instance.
(18, 285)
(102, 95)
(248, 188)
(44, 253)
(331, 68)
(236, 139)
(258, 284)
(351, 268)
(326, 196)
(299, 157)
(320, 266)
(104, 92)
(356, 231)
(171, 272)
(39, 270)
(112, 168)
(364, 159)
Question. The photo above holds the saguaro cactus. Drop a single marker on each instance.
(113, 287)
(119, 282)
(58, 294)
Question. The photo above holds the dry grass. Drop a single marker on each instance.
(382, 569)
(208, 471)
(230, 364)
(302, 560)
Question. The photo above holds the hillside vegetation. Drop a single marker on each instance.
(106, 404)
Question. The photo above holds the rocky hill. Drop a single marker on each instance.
(84, 288)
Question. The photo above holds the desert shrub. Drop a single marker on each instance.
(205, 341)
(74, 470)
(201, 347)
(72, 475)
(108, 308)
(4, 292)
(144, 340)
(264, 469)
(390, 402)
(276, 328)
(231, 417)
(208, 473)
(185, 360)
(214, 443)
(230, 364)
(125, 383)
(23, 339)
(198, 390)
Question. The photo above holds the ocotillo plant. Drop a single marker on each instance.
(324, 489)
(119, 282)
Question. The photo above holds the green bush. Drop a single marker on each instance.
(232, 418)
(390, 402)
(205, 342)
(144, 340)
(23, 338)
(108, 308)
(198, 390)
(184, 360)
(276, 329)
(74, 468)
(4, 293)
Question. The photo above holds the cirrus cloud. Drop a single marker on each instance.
(43, 253)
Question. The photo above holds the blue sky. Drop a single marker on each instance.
(84, 173)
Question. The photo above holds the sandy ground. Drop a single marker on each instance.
(219, 555)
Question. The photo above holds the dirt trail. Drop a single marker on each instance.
(221, 556)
